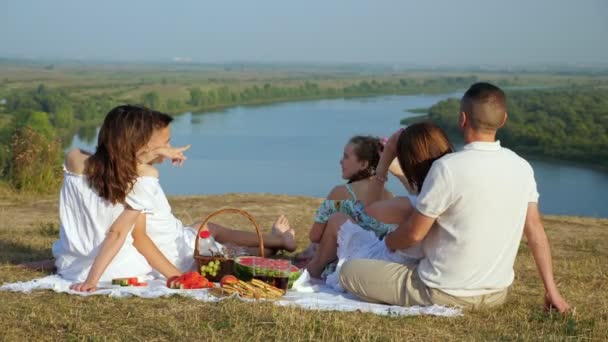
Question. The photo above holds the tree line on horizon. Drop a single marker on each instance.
(565, 124)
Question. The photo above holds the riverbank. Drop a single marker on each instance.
(267, 102)
(29, 224)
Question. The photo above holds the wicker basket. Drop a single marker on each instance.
(226, 265)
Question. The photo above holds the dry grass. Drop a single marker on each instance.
(28, 225)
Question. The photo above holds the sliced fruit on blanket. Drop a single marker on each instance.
(244, 268)
(202, 283)
(170, 281)
(190, 276)
(125, 281)
(188, 281)
(175, 284)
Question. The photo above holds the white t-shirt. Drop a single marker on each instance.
(479, 197)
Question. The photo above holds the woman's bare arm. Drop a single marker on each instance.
(392, 211)
(150, 251)
(114, 240)
(75, 160)
(375, 189)
(395, 170)
(316, 230)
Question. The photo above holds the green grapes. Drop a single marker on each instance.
(212, 268)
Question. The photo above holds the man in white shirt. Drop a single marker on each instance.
(472, 209)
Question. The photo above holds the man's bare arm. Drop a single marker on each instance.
(410, 232)
(541, 250)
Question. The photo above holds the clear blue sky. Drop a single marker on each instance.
(429, 32)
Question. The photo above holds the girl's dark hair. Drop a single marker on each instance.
(366, 148)
(112, 170)
(419, 145)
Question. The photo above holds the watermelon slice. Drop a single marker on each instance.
(244, 268)
(125, 281)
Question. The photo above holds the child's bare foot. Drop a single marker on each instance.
(281, 227)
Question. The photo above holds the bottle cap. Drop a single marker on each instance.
(205, 234)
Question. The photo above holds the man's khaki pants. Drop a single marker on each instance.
(379, 281)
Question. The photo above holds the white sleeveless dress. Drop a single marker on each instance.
(86, 218)
(168, 233)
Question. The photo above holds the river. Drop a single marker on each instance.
(294, 148)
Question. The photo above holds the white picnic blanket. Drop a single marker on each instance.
(306, 294)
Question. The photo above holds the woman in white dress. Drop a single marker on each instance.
(102, 234)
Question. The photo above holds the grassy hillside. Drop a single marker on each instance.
(28, 226)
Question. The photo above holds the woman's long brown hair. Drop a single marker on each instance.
(419, 145)
(112, 170)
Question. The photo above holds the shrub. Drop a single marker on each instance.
(35, 162)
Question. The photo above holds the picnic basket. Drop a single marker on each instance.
(226, 264)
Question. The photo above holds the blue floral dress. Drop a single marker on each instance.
(352, 207)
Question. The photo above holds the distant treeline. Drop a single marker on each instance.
(36, 124)
(563, 124)
(224, 96)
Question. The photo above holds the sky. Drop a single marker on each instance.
(429, 32)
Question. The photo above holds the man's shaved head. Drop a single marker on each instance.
(485, 106)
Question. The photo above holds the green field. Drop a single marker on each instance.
(129, 82)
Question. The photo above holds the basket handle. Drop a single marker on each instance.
(232, 211)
